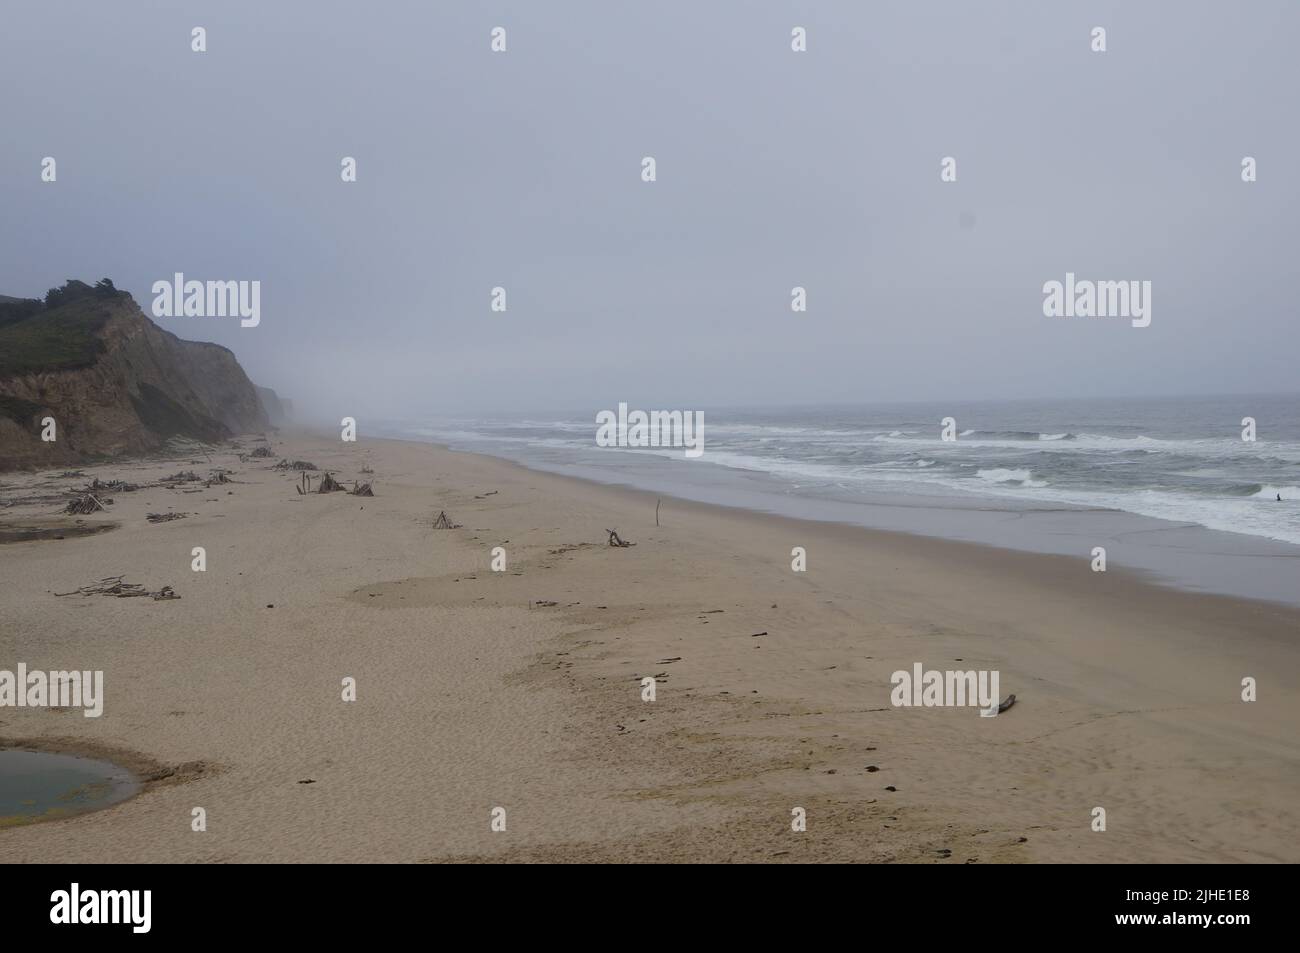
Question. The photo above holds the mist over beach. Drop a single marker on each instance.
(775, 169)
(686, 433)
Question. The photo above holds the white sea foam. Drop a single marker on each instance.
(1219, 481)
(1270, 492)
(1004, 475)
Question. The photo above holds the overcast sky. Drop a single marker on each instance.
(775, 169)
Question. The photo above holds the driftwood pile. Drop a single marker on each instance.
(84, 505)
(330, 485)
(114, 586)
(262, 452)
(286, 464)
(614, 540)
(109, 486)
(327, 485)
(165, 517)
(218, 476)
(444, 521)
(183, 476)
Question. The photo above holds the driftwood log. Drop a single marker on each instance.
(114, 586)
(165, 517)
(109, 486)
(616, 541)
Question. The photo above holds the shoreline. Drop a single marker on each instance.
(473, 694)
(1189, 557)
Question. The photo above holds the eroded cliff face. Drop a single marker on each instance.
(115, 383)
(278, 409)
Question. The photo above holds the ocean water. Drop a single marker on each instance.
(1182, 460)
(1169, 463)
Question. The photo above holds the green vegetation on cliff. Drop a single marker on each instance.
(58, 334)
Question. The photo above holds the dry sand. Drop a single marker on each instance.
(471, 696)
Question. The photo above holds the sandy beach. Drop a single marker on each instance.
(522, 689)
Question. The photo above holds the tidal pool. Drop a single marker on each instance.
(41, 785)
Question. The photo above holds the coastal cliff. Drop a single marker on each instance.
(113, 381)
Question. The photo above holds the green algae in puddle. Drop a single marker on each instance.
(41, 785)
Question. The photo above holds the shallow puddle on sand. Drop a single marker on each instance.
(26, 532)
(41, 785)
